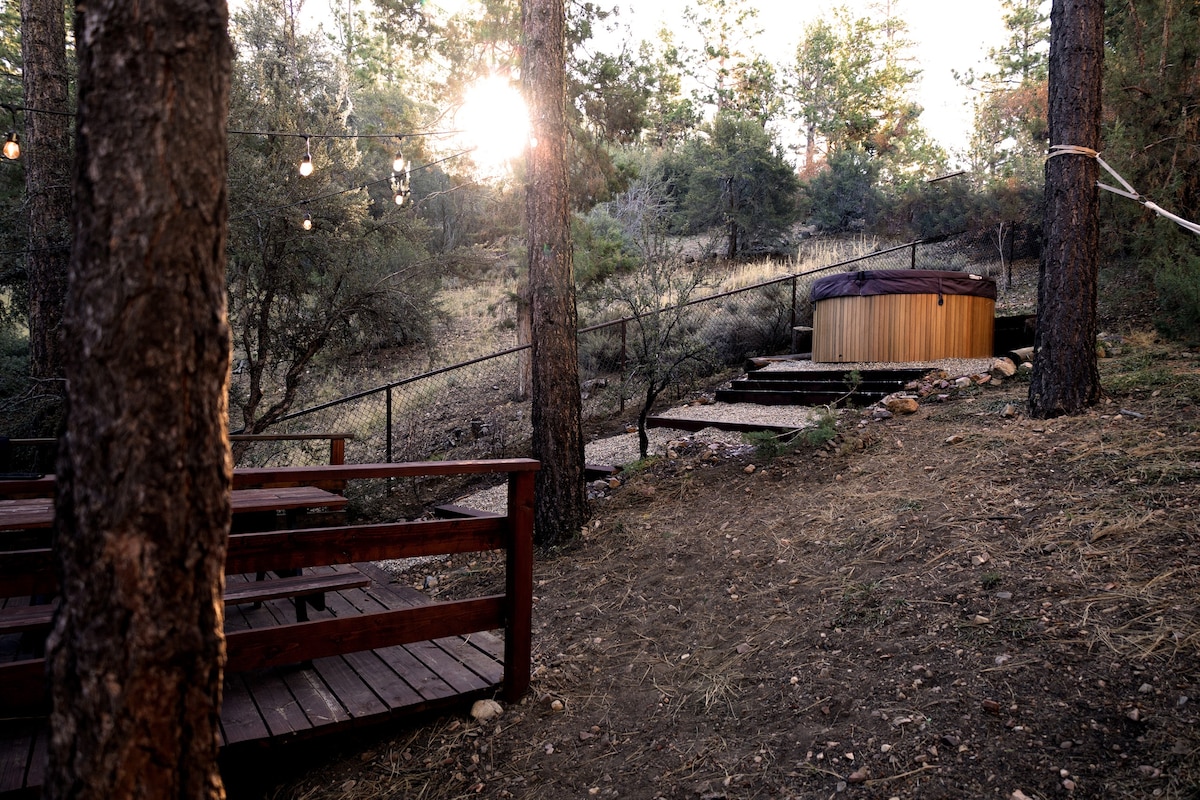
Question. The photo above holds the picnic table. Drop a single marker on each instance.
(250, 506)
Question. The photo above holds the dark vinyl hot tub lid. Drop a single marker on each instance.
(866, 283)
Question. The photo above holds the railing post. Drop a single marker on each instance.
(337, 451)
(518, 591)
(914, 256)
(388, 419)
(794, 279)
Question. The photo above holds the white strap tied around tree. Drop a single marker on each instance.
(1128, 190)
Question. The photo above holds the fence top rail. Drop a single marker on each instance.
(343, 472)
(284, 437)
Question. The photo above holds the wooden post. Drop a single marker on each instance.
(518, 627)
(337, 451)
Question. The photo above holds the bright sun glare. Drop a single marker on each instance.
(494, 121)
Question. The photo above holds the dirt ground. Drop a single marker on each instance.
(958, 603)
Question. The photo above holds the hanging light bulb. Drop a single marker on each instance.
(307, 224)
(399, 198)
(306, 165)
(398, 162)
(12, 147)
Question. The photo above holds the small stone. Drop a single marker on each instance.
(951, 741)
(1146, 688)
(1009, 411)
(557, 705)
(858, 776)
(1069, 785)
(1004, 595)
(955, 439)
(962, 383)
(1150, 772)
(485, 710)
(882, 413)
(1134, 714)
(991, 706)
(980, 559)
(750, 469)
(431, 582)
(980, 619)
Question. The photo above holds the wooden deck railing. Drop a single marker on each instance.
(22, 683)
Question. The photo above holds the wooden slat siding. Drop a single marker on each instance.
(902, 327)
(518, 588)
(377, 542)
(303, 641)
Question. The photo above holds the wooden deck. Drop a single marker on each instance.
(283, 704)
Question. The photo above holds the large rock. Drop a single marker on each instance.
(901, 404)
(1003, 368)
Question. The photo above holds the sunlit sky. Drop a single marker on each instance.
(948, 35)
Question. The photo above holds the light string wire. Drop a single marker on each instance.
(338, 192)
(1127, 190)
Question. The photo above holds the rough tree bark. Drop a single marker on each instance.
(136, 652)
(46, 152)
(1066, 377)
(561, 504)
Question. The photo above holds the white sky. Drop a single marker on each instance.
(947, 35)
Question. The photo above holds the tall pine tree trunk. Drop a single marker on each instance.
(1066, 378)
(46, 152)
(561, 502)
(136, 652)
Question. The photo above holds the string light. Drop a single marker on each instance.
(307, 223)
(12, 147)
(398, 163)
(306, 165)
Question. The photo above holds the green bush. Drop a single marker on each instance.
(601, 247)
(1177, 281)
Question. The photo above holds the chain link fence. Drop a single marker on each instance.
(480, 409)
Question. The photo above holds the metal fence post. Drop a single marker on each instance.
(389, 425)
(914, 256)
(621, 403)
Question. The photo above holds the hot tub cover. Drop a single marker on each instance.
(903, 281)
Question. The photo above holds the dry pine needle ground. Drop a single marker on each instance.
(953, 604)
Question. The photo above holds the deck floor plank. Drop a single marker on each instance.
(240, 719)
(358, 698)
(16, 749)
(321, 706)
(330, 694)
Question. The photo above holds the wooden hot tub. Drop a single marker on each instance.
(902, 315)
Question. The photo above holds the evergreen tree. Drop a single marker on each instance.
(356, 280)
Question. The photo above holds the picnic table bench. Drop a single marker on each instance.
(377, 651)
